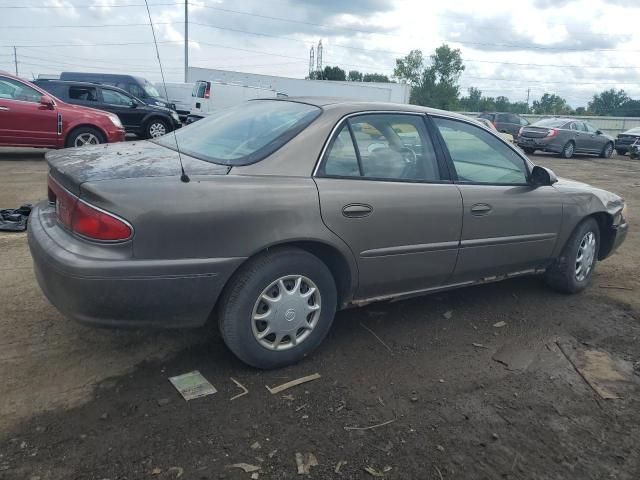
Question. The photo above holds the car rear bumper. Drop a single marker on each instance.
(121, 292)
(543, 143)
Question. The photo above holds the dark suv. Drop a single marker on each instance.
(506, 122)
(146, 121)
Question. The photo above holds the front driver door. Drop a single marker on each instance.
(384, 193)
(509, 225)
(120, 104)
(23, 120)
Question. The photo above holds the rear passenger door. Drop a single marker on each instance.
(120, 104)
(384, 192)
(509, 225)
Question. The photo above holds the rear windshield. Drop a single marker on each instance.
(243, 134)
(550, 123)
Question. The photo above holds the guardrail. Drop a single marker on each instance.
(610, 125)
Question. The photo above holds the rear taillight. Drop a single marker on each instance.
(207, 91)
(495, 124)
(85, 219)
(553, 132)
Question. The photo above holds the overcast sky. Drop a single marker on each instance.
(570, 47)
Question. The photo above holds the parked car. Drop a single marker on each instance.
(137, 86)
(208, 97)
(146, 121)
(626, 139)
(634, 149)
(290, 216)
(565, 136)
(31, 117)
(506, 122)
(507, 136)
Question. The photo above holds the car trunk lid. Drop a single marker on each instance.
(534, 132)
(74, 166)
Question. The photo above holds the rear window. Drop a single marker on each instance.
(549, 123)
(243, 134)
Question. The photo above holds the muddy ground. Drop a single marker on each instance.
(427, 400)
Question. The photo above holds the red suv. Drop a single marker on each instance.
(30, 117)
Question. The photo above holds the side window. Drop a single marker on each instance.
(590, 128)
(581, 127)
(199, 89)
(523, 121)
(387, 147)
(13, 90)
(85, 94)
(112, 97)
(574, 126)
(480, 157)
(342, 160)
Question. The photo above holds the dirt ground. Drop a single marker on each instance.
(443, 392)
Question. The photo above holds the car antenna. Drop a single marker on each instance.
(183, 177)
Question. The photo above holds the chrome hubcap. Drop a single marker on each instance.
(157, 130)
(286, 312)
(609, 151)
(86, 139)
(586, 256)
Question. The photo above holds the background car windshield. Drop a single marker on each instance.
(243, 134)
(550, 123)
(633, 131)
(151, 90)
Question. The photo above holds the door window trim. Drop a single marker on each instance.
(454, 175)
(443, 167)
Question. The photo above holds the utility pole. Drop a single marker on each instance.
(186, 39)
(528, 93)
(15, 59)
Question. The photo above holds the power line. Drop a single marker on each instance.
(104, 5)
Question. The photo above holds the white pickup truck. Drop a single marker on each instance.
(208, 97)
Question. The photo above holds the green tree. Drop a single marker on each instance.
(410, 68)
(551, 104)
(375, 77)
(608, 102)
(502, 104)
(334, 73)
(581, 111)
(631, 108)
(435, 85)
(355, 76)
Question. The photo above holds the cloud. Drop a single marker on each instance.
(63, 8)
(551, 3)
(498, 33)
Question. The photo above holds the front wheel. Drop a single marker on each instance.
(156, 128)
(568, 150)
(529, 150)
(572, 272)
(607, 151)
(85, 136)
(277, 308)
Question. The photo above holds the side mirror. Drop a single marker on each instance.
(598, 132)
(47, 102)
(133, 104)
(542, 177)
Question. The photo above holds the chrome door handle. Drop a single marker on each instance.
(481, 209)
(4, 109)
(357, 210)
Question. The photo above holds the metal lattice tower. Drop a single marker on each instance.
(319, 60)
(312, 62)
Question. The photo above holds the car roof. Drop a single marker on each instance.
(83, 84)
(350, 105)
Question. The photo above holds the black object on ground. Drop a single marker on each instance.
(15, 219)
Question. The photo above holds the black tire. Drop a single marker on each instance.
(621, 151)
(156, 127)
(561, 275)
(568, 150)
(607, 151)
(236, 306)
(530, 151)
(77, 135)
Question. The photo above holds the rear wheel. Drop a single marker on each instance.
(156, 128)
(277, 308)
(573, 269)
(607, 151)
(530, 151)
(84, 136)
(568, 150)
